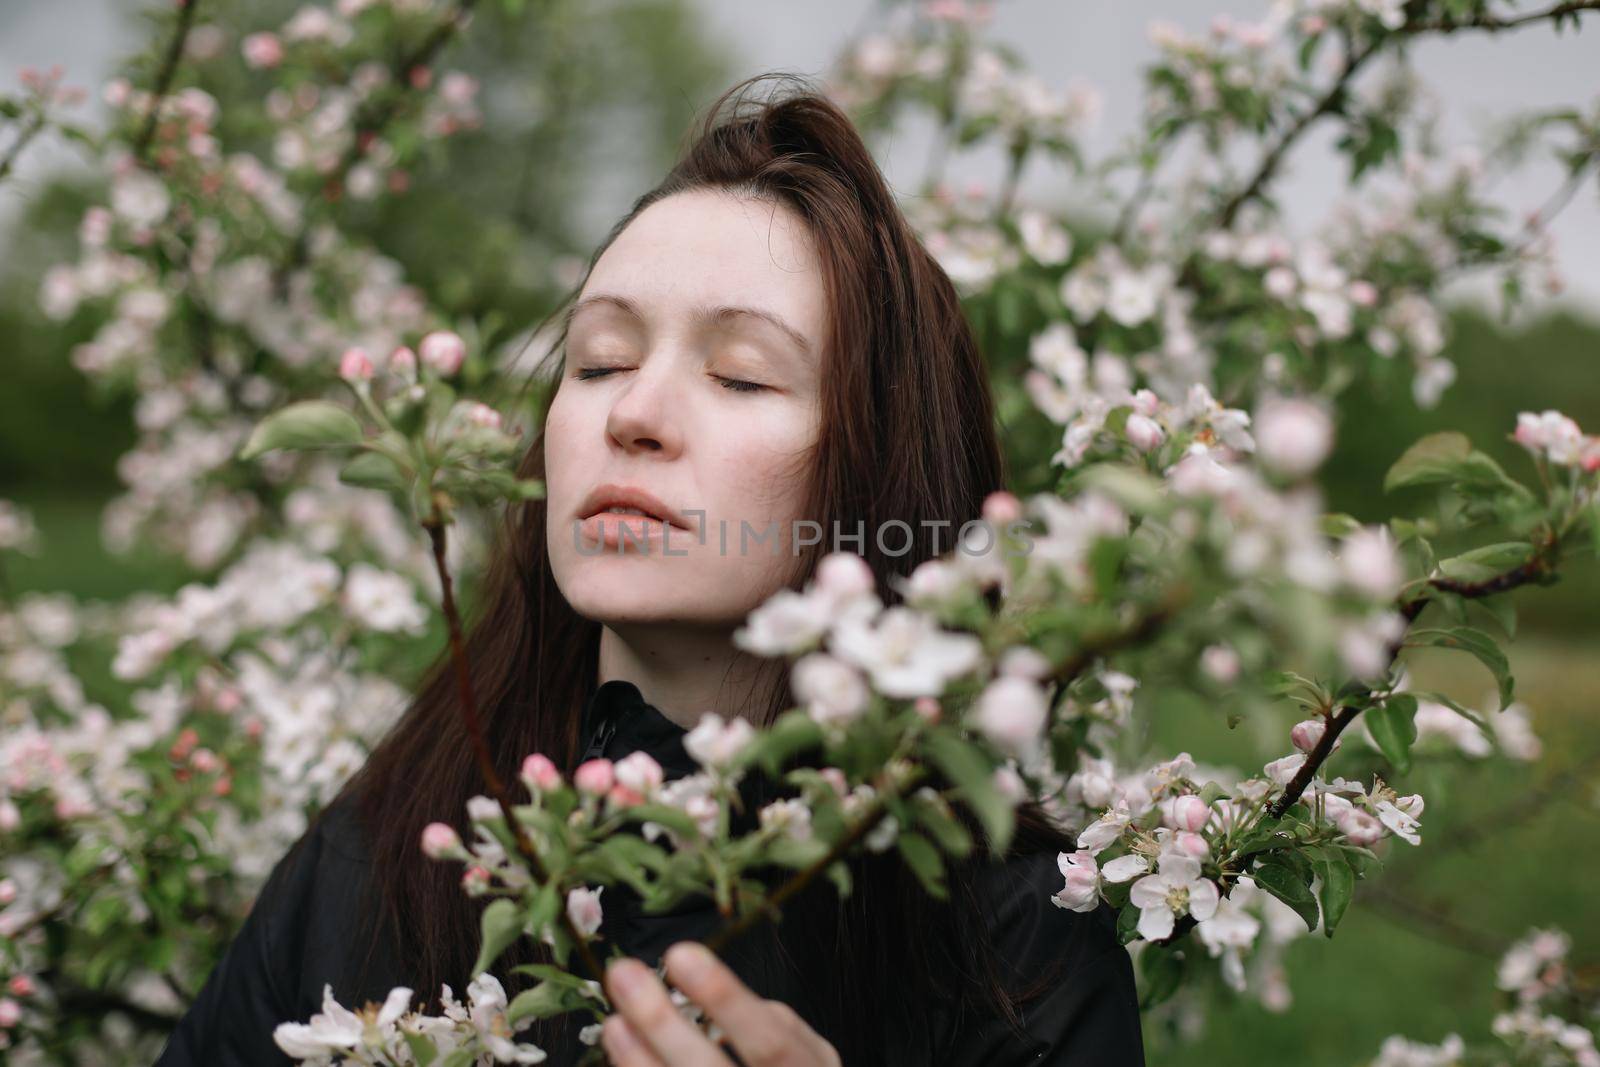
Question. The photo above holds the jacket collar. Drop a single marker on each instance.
(618, 721)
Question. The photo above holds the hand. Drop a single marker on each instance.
(648, 1031)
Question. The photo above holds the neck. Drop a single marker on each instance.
(686, 671)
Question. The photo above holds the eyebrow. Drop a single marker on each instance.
(706, 314)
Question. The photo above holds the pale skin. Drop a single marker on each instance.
(692, 371)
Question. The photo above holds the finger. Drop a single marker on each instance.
(623, 1046)
(762, 1031)
(643, 1001)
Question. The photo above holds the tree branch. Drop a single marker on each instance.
(1333, 98)
(169, 68)
(434, 524)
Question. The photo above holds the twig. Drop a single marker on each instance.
(169, 68)
(28, 133)
(435, 526)
(373, 118)
(1331, 101)
(1491, 24)
(1537, 566)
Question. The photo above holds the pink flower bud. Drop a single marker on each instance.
(21, 985)
(475, 881)
(1144, 433)
(440, 841)
(595, 777)
(1001, 508)
(10, 1013)
(1220, 663)
(262, 51)
(355, 365)
(204, 760)
(1363, 293)
(621, 796)
(443, 351)
(1190, 813)
(540, 774)
(1306, 734)
(1192, 844)
(583, 909)
(403, 361)
(835, 777)
(844, 574)
(928, 708)
(1010, 784)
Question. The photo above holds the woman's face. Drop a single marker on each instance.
(692, 374)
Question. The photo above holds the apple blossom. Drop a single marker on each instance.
(1176, 889)
(540, 774)
(442, 351)
(583, 909)
(594, 777)
(1082, 889)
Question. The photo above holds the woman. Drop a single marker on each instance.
(761, 340)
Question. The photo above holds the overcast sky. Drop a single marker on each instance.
(1103, 43)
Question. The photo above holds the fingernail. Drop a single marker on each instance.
(690, 960)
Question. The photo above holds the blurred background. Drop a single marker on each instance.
(562, 154)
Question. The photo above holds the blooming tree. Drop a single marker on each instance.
(308, 419)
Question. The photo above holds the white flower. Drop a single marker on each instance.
(1175, 889)
(789, 815)
(1293, 437)
(715, 741)
(906, 652)
(583, 909)
(1106, 829)
(832, 691)
(1011, 713)
(382, 600)
(1371, 563)
(334, 1028)
(1125, 867)
(1134, 296)
(786, 623)
(1082, 890)
(1401, 816)
(1044, 239)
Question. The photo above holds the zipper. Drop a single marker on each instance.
(601, 738)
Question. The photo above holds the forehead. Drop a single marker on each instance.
(708, 247)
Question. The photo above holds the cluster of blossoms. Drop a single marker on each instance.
(478, 1031)
(1535, 974)
(223, 287)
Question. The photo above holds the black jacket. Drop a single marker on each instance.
(297, 938)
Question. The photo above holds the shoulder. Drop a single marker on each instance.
(1072, 979)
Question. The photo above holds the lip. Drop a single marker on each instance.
(612, 495)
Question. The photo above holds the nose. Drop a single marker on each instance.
(646, 415)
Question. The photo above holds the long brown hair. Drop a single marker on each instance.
(907, 433)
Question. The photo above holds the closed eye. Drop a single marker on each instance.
(738, 386)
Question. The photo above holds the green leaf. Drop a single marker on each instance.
(970, 772)
(1487, 562)
(1338, 887)
(1282, 882)
(422, 1049)
(1478, 644)
(925, 862)
(1432, 459)
(941, 824)
(373, 470)
(1393, 725)
(308, 424)
(502, 922)
(543, 1000)
(1162, 971)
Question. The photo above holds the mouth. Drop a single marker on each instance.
(624, 502)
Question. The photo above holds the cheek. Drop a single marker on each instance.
(764, 468)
